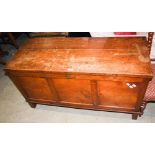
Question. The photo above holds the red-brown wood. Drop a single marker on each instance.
(108, 74)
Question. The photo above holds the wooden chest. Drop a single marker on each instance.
(109, 74)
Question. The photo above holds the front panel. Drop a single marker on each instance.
(83, 92)
(36, 88)
(73, 91)
(118, 94)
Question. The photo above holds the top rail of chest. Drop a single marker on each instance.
(85, 43)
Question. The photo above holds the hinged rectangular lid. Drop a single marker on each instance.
(125, 56)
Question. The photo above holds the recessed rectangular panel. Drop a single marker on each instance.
(73, 91)
(36, 88)
(118, 94)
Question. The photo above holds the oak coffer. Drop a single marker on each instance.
(109, 74)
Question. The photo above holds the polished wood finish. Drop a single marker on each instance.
(109, 74)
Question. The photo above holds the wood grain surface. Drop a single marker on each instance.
(109, 74)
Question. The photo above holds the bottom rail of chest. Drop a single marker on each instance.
(135, 114)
